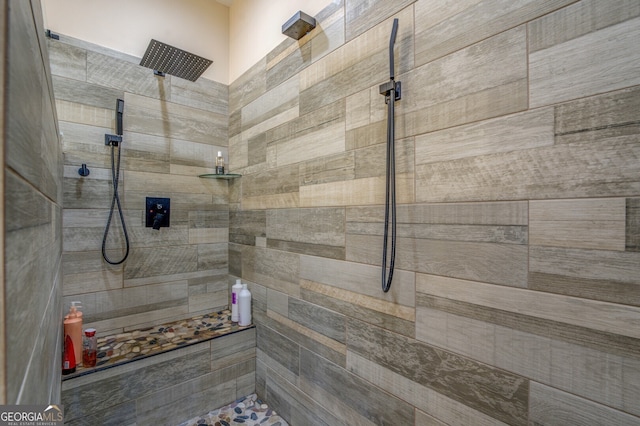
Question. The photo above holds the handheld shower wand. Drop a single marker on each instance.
(114, 141)
(392, 93)
(119, 113)
(392, 42)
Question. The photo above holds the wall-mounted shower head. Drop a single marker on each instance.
(298, 25)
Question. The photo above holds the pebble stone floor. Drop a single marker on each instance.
(245, 411)
(128, 346)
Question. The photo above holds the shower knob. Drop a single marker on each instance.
(83, 171)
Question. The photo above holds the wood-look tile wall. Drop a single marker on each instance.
(173, 129)
(516, 298)
(31, 288)
(167, 388)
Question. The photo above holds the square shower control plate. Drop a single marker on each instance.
(158, 209)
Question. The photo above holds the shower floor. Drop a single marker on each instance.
(248, 411)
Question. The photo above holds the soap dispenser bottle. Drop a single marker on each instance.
(235, 293)
(244, 307)
(73, 329)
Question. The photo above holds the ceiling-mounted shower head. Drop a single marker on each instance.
(299, 25)
(171, 60)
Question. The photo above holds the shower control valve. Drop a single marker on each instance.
(157, 212)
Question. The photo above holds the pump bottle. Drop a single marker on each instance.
(235, 292)
(244, 307)
(73, 329)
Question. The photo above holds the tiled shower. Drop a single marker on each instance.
(515, 297)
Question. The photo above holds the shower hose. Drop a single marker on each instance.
(115, 200)
(390, 199)
(391, 92)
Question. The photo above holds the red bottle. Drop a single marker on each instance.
(69, 357)
(89, 349)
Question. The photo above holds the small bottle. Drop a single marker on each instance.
(68, 356)
(89, 348)
(219, 164)
(73, 329)
(235, 292)
(244, 307)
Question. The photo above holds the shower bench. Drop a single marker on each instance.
(163, 374)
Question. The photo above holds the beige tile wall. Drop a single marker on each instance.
(516, 298)
(31, 289)
(3, 345)
(173, 129)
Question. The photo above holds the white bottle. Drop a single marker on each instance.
(244, 307)
(235, 292)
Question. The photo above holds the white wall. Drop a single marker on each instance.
(234, 37)
(256, 28)
(197, 26)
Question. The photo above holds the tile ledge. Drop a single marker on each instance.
(120, 349)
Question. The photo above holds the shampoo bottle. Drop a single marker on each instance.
(219, 164)
(73, 329)
(68, 357)
(244, 307)
(235, 292)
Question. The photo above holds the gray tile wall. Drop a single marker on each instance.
(31, 288)
(165, 389)
(173, 129)
(516, 298)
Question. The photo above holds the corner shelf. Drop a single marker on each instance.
(227, 176)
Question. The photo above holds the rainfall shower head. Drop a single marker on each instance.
(171, 60)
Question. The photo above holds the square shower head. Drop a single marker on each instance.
(171, 60)
(298, 25)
